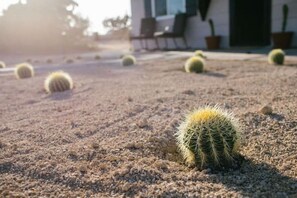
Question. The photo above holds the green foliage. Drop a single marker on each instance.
(211, 27)
(128, 60)
(2, 65)
(24, 70)
(276, 57)
(209, 137)
(285, 17)
(58, 82)
(195, 64)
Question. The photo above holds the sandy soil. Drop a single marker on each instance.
(113, 135)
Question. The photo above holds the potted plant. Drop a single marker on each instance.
(213, 41)
(283, 39)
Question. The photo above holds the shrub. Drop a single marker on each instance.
(128, 60)
(2, 65)
(97, 57)
(199, 53)
(209, 137)
(276, 56)
(24, 70)
(58, 82)
(195, 64)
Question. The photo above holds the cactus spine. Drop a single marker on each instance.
(211, 27)
(285, 17)
(209, 137)
(24, 70)
(58, 82)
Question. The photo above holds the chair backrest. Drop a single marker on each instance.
(180, 23)
(148, 26)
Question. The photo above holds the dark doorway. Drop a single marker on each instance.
(250, 22)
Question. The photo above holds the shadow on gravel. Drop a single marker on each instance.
(259, 180)
(214, 74)
(60, 95)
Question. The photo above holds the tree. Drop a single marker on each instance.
(41, 25)
(117, 26)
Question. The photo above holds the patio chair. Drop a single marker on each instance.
(179, 27)
(147, 30)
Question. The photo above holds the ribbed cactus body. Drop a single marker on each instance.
(2, 65)
(58, 82)
(128, 60)
(277, 57)
(24, 70)
(195, 64)
(209, 137)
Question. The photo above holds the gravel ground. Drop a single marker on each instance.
(113, 135)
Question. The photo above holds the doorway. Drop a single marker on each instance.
(250, 22)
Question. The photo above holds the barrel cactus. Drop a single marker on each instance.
(58, 82)
(199, 53)
(209, 137)
(24, 70)
(195, 64)
(2, 65)
(128, 60)
(276, 57)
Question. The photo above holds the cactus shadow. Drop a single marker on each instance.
(258, 180)
(60, 95)
(277, 117)
(214, 74)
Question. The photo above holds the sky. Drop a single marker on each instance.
(95, 10)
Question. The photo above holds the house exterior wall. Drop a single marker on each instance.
(277, 17)
(137, 10)
(218, 11)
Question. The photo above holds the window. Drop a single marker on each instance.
(168, 7)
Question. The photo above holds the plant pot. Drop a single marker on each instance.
(282, 40)
(213, 42)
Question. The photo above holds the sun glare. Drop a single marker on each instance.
(95, 11)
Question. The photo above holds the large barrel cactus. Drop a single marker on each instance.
(195, 64)
(58, 82)
(276, 57)
(128, 60)
(24, 70)
(209, 137)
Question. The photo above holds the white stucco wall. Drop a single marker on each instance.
(277, 17)
(218, 10)
(137, 10)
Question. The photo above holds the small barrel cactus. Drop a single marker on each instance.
(195, 64)
(58, 82)
(128, 60)
(199, 53)
(209, 137)
(2, 65)
(277, 57)
(69, 61)
(24, 70)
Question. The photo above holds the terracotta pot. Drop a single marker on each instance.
(282, 40)
(213, 42)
